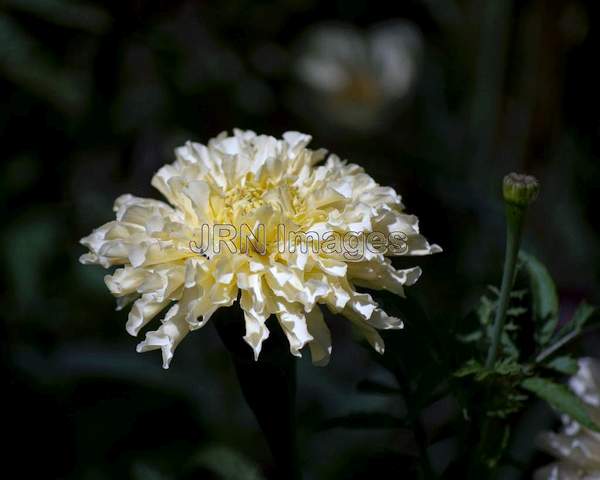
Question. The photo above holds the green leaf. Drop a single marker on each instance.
(509, 367)
(561, 398)
(516, 311)
(582, 317)
(473, 336)
(505, 367)
(364, 420)
(565, 364)
(584, 313)
(486, 310)
(494, 289)
(470, 368)
(518, 294)
(508, 346)
(545, 299)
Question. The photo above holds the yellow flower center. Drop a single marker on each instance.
(245, 199)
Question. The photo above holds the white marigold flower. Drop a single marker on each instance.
(576, 447)
(357, 77)
(168, 263)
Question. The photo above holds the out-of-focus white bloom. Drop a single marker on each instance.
(257, 182)
(358, 77)
(576, 447)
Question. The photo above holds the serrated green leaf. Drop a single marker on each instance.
(485, 310)
(582, 317)
(516, 311)
(505, 367)
(561, 398)
(471, 367)
(494, 289)
(364, 420)
(508, 367)
(565, 364)
(509, 347)
(545, 299)
(518, 294)
(470, 337)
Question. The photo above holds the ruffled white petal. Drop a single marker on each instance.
(320, 346)
(168, 336)
(293, 322)
(142, 312)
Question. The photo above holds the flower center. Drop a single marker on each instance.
(245, 199)
(361, 88)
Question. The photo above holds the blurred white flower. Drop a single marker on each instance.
(359, 77)
(262, 183)
(576, 447)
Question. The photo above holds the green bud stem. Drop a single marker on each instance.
(519, 192)
(514, 227)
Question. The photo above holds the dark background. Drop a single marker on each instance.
(95, 97)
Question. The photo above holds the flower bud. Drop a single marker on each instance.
(520, 190)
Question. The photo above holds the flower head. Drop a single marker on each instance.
(358, 77)
(576, 447)
(174, 257)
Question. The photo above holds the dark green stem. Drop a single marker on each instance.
(268, 386)
(514, 226)
(415, 422)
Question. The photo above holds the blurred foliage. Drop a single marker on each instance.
(95, 96)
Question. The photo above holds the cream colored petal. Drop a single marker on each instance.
(125, 281)
(331, 266)
(320, 346)
(140, 211)
(586, 383)
(362, 308)
(381, 275)
(208, 301)
(558, 471)
(581, 450)
(392, 223)
(256, 331)
(161, 283)
(160, 181)
(143, 311)
(293, 322)
(107, 246)
(199, 193)
(126, 300)
(338, 297)
(370, 334)
(167, 337)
